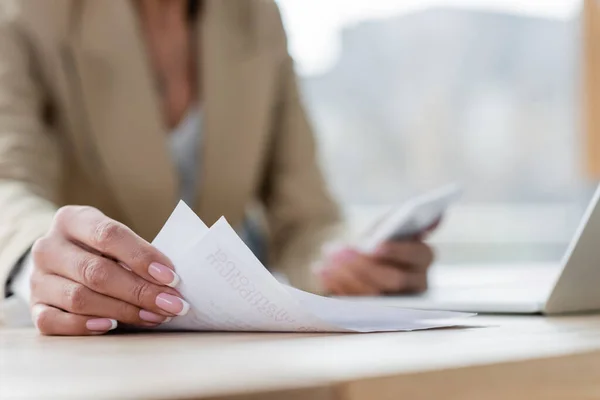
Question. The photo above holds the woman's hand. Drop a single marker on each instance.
(90, 271)
(395, 267)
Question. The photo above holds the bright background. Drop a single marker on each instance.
(408, 95)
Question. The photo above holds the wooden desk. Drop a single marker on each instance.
(513, 357)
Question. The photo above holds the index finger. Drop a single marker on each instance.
(90, 227)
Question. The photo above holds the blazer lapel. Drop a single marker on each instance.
(235, 102)
(125, 120)
(123, 112)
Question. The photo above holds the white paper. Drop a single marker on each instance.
(229, 289)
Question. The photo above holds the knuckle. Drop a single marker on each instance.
(106, 233)
(141, 293)
(94, 272)
(142, 256)
(76, 298)
(67, 214)
(63, 215)
(40, 249)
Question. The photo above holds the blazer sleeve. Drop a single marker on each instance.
(301, 213)
(29, 153)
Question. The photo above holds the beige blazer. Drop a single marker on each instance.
(81, 123)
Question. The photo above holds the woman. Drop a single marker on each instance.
(123, 107)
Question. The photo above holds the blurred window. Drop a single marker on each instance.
(408, 95)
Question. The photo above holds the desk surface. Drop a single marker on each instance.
(535, 354)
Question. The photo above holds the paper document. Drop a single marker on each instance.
(229, 289)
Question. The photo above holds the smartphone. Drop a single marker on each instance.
(411, 218)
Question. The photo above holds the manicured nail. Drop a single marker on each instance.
(149, 316)
(172, 304)
(36, 310)
(101, 324)
(345, 255)
(163, 274)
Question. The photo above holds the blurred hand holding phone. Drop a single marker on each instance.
(410, 219)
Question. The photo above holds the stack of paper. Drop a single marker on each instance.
(229, 289)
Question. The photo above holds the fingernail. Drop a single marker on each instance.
(152, 317)
(101, 324)
(172, 304)
(163, 274)
(346, 255)
(36, 310)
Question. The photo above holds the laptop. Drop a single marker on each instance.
(571, 286)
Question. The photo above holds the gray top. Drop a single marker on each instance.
(183, 141)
